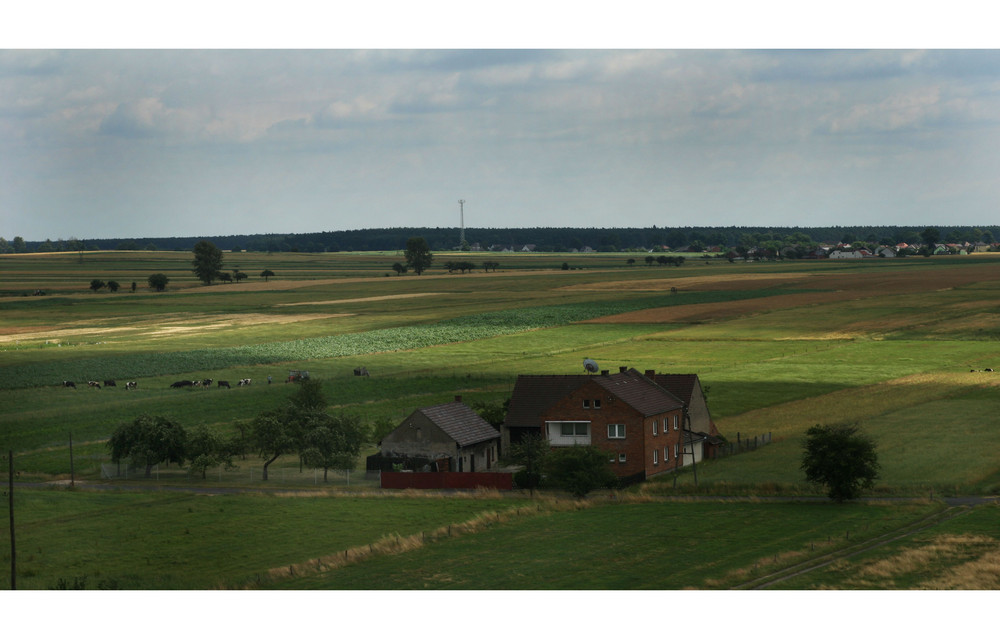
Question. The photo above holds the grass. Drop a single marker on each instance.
(185, 541)
(779, 347)
(637, 546)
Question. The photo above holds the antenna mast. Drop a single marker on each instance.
(461, 212)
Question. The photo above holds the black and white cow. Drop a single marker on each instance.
(206, 382)
(245, 382)
(68, 384)
(94, 384)
(131, 386)
(182, 384)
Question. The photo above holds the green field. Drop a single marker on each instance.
(780, 346)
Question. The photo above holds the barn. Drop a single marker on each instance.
(445, 437)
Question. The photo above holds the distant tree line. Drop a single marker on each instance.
(546, 239)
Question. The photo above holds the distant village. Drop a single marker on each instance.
(842, 250)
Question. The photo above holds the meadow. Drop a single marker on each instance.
(900, 347)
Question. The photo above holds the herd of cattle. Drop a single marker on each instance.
(181, 384)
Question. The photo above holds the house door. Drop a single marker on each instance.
(472, 463)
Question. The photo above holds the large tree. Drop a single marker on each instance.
(579, 469)
(207, 261)
(841, 458)
(333, 441)
(418, 254)
(206, 449)
(147, 441)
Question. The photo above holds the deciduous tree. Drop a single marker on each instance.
(841, 458)
(579, 469)
(157, 281)
(418, 254)
(147, 441)
(207, 261)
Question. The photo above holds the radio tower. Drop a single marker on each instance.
(461, 212)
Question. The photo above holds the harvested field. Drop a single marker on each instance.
(377, 298)
(839, 287)
(168, 325)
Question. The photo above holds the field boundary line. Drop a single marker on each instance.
(808, 565)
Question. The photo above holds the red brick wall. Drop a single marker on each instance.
(639, 442)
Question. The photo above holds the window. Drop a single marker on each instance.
(616, 431)
(675, 451)
(573, 429)
(666, 454)
(621, 458)
(654, 428)
(675, 422)
(597, 403)
(586, 403)
(656, 457)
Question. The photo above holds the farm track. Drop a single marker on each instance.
(771, 579)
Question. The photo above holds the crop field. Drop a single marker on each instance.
(901, 347)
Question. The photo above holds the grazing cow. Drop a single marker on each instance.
(181, 384)
(94, 384)
(361, 371)
(245, 382)
(131, 386)
(110, 382)
(223, 383)
(68, 384)
(988, 370)
(206, 382)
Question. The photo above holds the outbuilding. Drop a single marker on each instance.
(445, 437)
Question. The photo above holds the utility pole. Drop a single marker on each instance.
(461, 212)
(10, 496)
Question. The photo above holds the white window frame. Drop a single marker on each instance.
(619, 431)
(586, 404)
(675, 422)
(596, 403)
(622, 458)
(654, 428)
(656, 457)
(581, 433)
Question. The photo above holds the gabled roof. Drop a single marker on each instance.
(534, 394)
(460, 422)
(639, 392)
(680, 385)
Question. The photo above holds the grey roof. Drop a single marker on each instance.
(461, 423)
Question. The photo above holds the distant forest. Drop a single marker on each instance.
(541, 239)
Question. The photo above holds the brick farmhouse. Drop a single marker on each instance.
(647, 424)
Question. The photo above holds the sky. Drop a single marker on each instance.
(113, 136)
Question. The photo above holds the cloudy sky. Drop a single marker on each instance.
(99, 143)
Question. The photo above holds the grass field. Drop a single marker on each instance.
(779, 347)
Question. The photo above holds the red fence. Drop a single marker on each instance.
(459, 481)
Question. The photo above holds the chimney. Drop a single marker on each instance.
(605, 373)
(458, 398)
(622, 369)
(650, 373)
